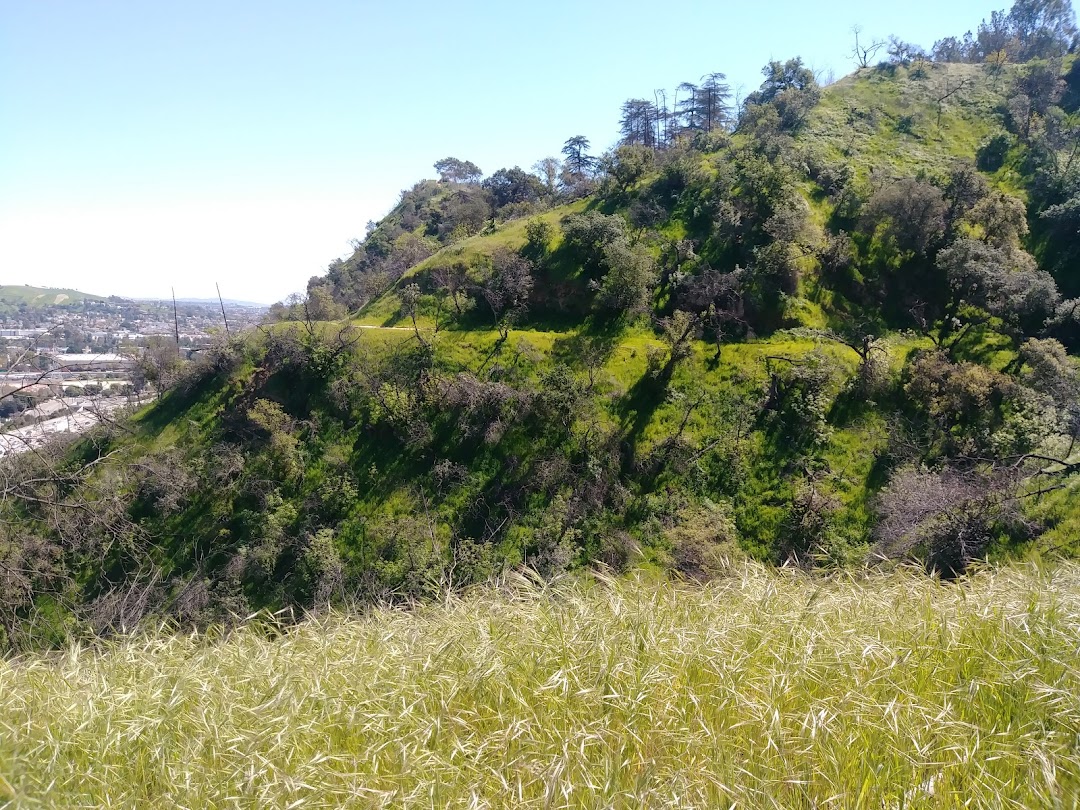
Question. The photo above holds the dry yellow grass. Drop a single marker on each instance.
(764, 689)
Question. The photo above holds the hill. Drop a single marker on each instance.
(232, 302)
(16, 294)
(831, 327)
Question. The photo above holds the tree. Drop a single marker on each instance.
(463, 213)
(1021, 112)
(964, 189)
(688, 108)
(452, 170)
(663, 118)
(799, 396)
(408, 250)
(903, 53)
(864, 52)
(1065, 215)
(790, 88)
(410, 306)
(951, 514)
(537, 236)
(159, 363)
(1043, 28)
(1040, 86)
(321, 306)
(911, 214)
(1005, 285)
(586, 236)
(579, 164)
(1000, 220)
(962, 406)
(639, 123)
(548, 170)
(678, 332)
(1070, 98)
(952, 49)
(995, 36)
(630, 276)
(717, 298)
(628, 165)
(993, 152)
(944, 94)
(510, 186)
(452, 282)
(1050, 371)
(507, 289)
(712, 99)
(995, 64)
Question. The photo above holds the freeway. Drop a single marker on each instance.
(84, 413)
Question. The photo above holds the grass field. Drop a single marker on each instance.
(759, 690)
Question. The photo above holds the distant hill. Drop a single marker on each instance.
(42, 296)
(232, 302)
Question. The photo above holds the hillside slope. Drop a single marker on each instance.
(15, 294)
(816, 338)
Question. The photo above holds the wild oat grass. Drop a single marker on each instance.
(761, 690)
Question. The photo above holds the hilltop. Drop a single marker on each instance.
(831, 327)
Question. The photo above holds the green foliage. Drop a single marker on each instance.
(800, 395)
(453, 170)
(628, 165)
(586, 237)
(627, 282)
(785, 98)
(733, 341)
(992, 152)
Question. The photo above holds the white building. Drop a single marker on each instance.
(90, 362)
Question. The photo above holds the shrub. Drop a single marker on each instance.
(905, 125)
(704, 542)
(993, 151)
(799, 395)
(949, 517)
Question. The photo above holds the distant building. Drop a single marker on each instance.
(90, 362)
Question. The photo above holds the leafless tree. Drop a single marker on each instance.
(951, 513)
(948, 92)
(863, 52)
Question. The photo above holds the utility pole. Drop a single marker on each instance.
(176, 321)
(222, 308)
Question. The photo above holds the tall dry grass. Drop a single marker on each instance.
(761, 690)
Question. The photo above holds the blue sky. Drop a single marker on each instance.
(146, 145)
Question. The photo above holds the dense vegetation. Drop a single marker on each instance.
(834, 325)
(759, 690)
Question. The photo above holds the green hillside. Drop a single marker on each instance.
(833, 327)
(16, 294)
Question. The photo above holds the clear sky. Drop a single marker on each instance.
(149, 144)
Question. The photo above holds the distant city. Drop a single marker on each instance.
(114, 324)
(65, 366)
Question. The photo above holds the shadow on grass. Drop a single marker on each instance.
(636, 408)
(177, 401)
(592, 344)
